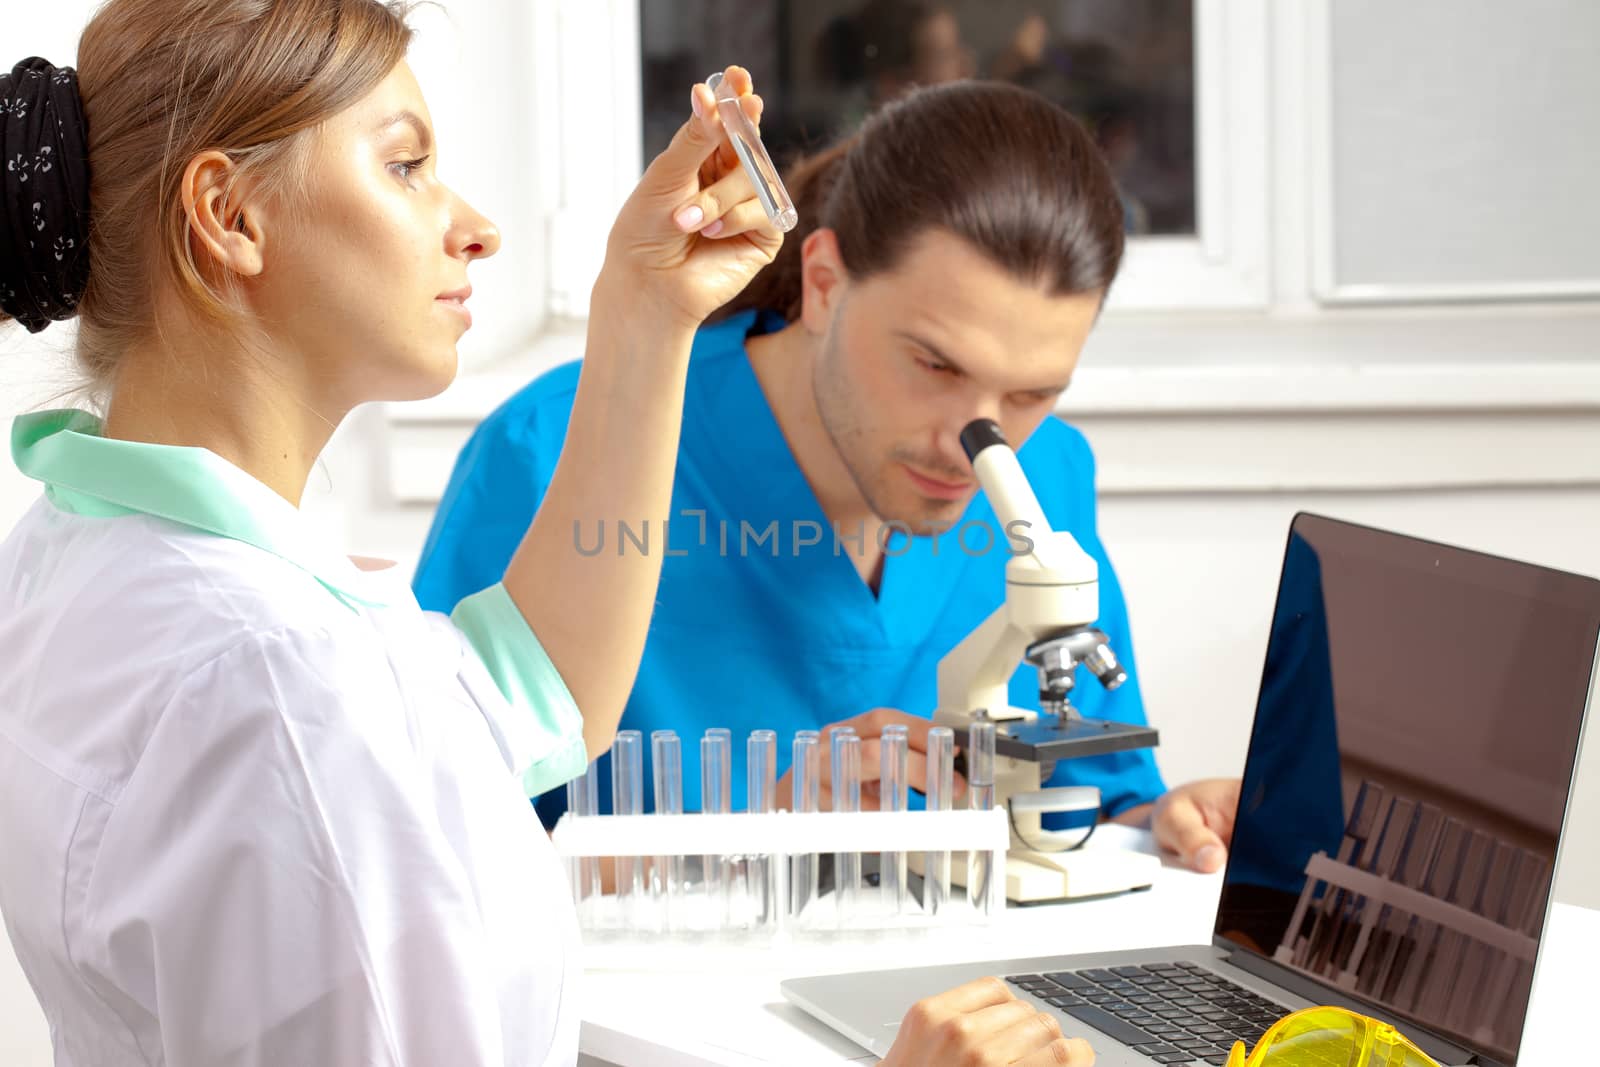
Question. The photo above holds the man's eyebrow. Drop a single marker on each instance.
(411, 119)
(934, 351)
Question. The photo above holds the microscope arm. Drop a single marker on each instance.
(977, 672)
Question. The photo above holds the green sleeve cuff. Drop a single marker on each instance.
(498, 632)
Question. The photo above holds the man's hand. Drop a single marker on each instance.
(869, 727)
(1194, 821)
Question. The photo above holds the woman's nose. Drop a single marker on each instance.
(473, 235)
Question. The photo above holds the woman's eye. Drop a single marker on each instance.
(933, 367)
(408, 168)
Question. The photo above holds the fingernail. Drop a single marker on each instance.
(1209, 858)
(713, 228)
(689, 218)
(694, 102)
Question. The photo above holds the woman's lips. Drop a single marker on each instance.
(456, 303)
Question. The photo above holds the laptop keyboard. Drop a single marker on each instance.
(1179, 1013)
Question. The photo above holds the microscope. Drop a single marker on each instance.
(1052, 600)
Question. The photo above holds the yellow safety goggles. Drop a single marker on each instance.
(1330, 1037)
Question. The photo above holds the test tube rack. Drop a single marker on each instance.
(1380, 893)
(776, 843)
(1505, 953)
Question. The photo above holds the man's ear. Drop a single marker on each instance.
(823, 279)
(221, 225)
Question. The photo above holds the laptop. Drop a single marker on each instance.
(1409, 771)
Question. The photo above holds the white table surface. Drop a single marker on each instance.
(677, 1006)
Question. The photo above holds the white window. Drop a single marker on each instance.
(1208, 250)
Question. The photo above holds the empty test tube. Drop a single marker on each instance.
(627, 798)
(666, 759)
(752, 154)
(980, 785)
(761, 788)
(846, 798)
(716, 759)
(893, 751)
(805, 781)
(761, 771)
(941, 782)
(583, 799)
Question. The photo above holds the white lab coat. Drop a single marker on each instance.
(244, 822)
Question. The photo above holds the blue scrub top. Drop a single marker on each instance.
(1291, 797)
(753, 628)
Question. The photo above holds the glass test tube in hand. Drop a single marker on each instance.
(666, 758)
(846, 769)
(941, 782)
(980, 787)
(753, 156)
(627, 798)
(583, 800)
(761, 787)
(893, 753)
(716, 760)
(805, 782)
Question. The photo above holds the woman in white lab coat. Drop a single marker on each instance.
(255, 806)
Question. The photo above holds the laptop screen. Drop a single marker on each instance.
(1414, 744)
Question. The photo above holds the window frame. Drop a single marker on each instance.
(594, 163)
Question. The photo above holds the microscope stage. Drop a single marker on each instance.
(1048, 739)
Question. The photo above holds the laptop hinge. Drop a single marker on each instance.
(1440, 1048)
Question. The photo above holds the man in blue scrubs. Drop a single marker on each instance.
(827, 544)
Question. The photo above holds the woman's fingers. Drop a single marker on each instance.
(708, 207)
(746, 218)
(997, 1026)
(1014, 1039)
(679, 164)
(983, 1022)
(969, 996)
(1062, 1052)
(659, 243)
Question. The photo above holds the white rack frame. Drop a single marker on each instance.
(781, 835)
(1381, 893)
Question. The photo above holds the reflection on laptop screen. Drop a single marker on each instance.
(1408, 775)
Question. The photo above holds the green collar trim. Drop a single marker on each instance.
(88, 474)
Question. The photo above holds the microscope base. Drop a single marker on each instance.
(1042, 877)
(1038, 877)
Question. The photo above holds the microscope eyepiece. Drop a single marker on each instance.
(979, 434)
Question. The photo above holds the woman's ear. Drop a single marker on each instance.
(220, 225)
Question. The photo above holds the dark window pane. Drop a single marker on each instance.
(1126, 67)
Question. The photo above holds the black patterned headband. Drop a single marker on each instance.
(44, 194)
